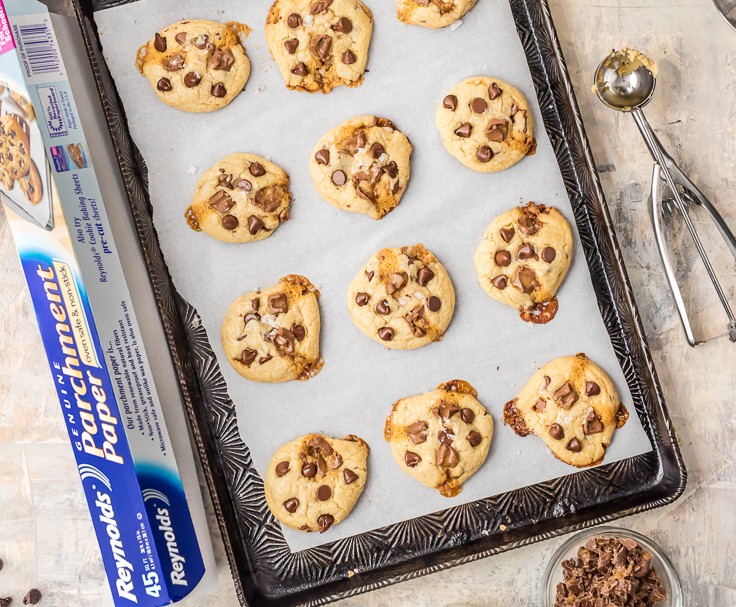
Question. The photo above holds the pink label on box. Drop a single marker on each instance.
(6, 38)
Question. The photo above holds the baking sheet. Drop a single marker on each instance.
(446, 207)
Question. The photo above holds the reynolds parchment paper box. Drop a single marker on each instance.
(92, 338)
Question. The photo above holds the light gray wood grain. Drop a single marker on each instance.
(46, 536)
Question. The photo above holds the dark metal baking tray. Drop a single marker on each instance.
(264, 570)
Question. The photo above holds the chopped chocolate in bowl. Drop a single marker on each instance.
(611, 567)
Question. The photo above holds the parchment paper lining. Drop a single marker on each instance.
(446, 207)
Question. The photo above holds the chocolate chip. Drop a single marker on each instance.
(325, 522)
(299, 332)
(339, 178)
(247, 356)
(192, 79)
(566, 396)
(446, 410)
(467, 415)
(478, 105)
(294, 20)
(592, 424)
(447, 456)
(278, 303)
(497, 129)
(282, 468)
(324, 493)
(547, 381)
(32, 597)
(181, 37)
(493, 91)
(424, 276)
(397, 281)
(417, 432)
(450, 102)
(244, 184)
(549, 254)
(396, 187)
(434, 303)
(251, 316)
(264, 359)
(484, 154)
(349, 476)
(343, 25)
(574, 445)
(163, 85)
(255, 225)
(319, 7)
(309, 470)
(556, 432)
(6, 601)
(411, 459)
(348, 57)
(322, 157)
(255, 304)
(320, 46)
(1, 564)
(525, 279)
(391, 169)
(300, 69)
(362, 299)
(464, 130)
(159, 43)
(382, 307)
(526, 251)
(229, 222)
(507, 234)
(474, 438)
(592, 388)
(386, 333)
(173, 63)
(500, 282)
(540, 405)
(256, 169)
(502, 258)
(528, 223)
(218, 90)
(221, 201)
(376, 150)
(291, 505)
(222, 59)
(201, 41)
(291, 45)
(369, 275)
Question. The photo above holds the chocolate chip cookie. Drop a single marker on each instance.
(486, 124)
(362, 166)
(571, 404)
(15, 152)
(313, 482)
(319, 44)
(196, 65)
(523, 259)
(242, 198)
(432, 13)
(402, 298)
(442, 437)
(272, 335)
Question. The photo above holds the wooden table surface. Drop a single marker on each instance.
(46, 537)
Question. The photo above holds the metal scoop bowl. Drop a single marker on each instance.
(625, 81)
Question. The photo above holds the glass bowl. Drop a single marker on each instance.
(669, 579)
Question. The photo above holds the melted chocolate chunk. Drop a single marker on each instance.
(173, 63)
(566, 396)
(592, 424)
(397, 281)
(417, 432)
(525, 279)
(493, 90)
(411, 459)
(255, 225)
(221, 201)
(309, 470)
(497, 129)
(325, 522)
(592, 388)
(447, 457)
(222, 59)
(247, 356)
(163, 85)
(320, 46)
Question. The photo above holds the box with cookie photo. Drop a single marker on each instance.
(382, 257)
